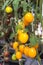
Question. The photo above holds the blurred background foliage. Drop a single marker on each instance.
(20, 7)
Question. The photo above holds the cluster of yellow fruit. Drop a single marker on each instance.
(27, 19)
(22, 49)
(19, 46)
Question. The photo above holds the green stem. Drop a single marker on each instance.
(40, 7)
(41, 12)
(42, 17)
(16, 16)
(36, 9)
(36, 6)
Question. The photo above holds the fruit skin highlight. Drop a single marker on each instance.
(21, 48)
(23, 37)
(26, 50)
(32, 52)
(28, 17)
(15, 45)
(18, 55)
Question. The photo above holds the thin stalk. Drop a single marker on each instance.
(36, 7)
(40, 7)
(16, 15)
(42, 17)
(41, 11)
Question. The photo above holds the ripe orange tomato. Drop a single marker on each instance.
(15, 45)
(26, 23)
(18, 55)
(28, 18)
(21, 48)
(32, 52)
(23, 37)
(26, 50)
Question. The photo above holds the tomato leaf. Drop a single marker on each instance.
(12, 35)
(15, 4)
(6, 3)
(24, 5)
(18, 27)
(33, 40)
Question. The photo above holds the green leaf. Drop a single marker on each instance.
(10, 2)
(24, 5)
(5, 4)
(26, 30)
(33, 40)
(12, 35)
(18, 27)
(15, 4)
(1, 34)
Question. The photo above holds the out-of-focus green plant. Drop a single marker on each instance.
(16, 4)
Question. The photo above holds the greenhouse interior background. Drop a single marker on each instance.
(21, 32)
